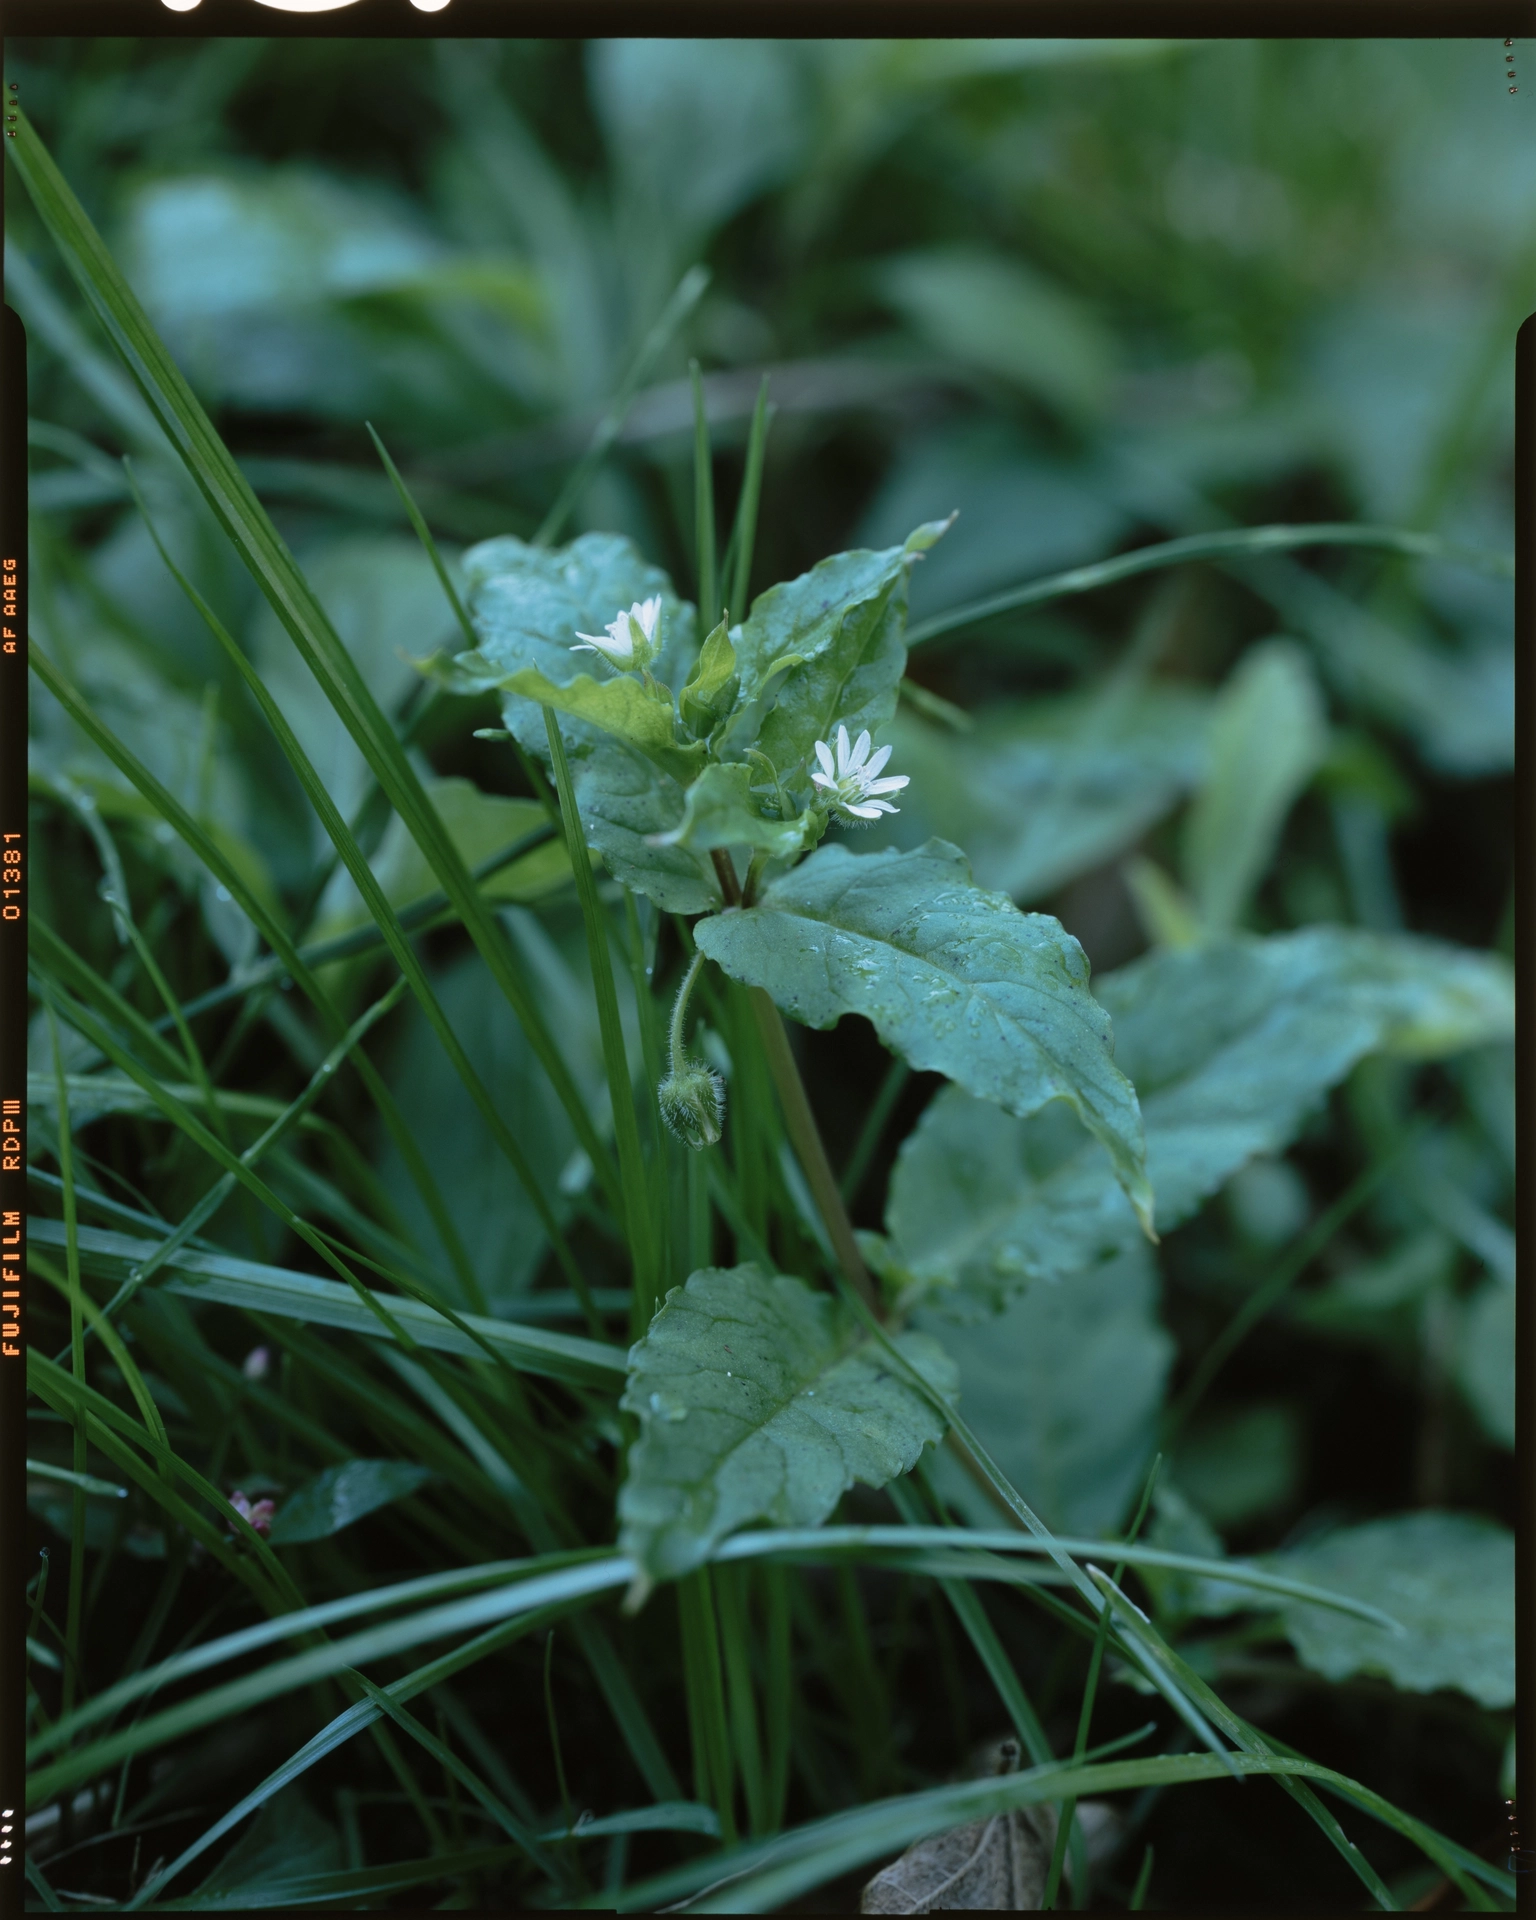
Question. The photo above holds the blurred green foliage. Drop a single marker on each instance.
(1089, 294)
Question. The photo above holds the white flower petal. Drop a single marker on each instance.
(893, 783)
(823, 780)
(842, 752)
(860, 752)
(876, 762)
(824, 755)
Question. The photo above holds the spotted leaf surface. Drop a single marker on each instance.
(761, 1400)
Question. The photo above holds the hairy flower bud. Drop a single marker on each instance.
(692, 1102)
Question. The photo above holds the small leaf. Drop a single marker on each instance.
(760, 1400)
(712, 689)
(999, 1865)
(638, 715)
(343, 1494)
(954, 979)
(719, 810)
(1448, 1578)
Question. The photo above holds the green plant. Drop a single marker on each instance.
(416, 1396)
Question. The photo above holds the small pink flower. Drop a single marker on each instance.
(259, 1515)
(257, 1364)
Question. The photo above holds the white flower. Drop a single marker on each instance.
(630, 640)
(850, 785)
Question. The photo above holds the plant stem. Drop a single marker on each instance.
(812, 1155)
(744, 533)
(678, 1053)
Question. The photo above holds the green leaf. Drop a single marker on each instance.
(638, 715)
(1449, 1578)
(760, 1400)
(343, 1494)
(1230, 1046)
(835, 634)
(479, 825)
(1008, 320)
(1040, 794)
(286, 1840)
(721, 811)
(1268, 735)
(1064, 1390)
(953, 979)
(1485, 1359)
(528, 604)
(711, 691)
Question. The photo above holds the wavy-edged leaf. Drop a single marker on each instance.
(1231, 1045)
(1449, 1578)
(953, 979)
(836, 635)
(760, 1400)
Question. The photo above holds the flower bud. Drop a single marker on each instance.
(692, 1103)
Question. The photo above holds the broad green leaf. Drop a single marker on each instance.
(1485, 1359)
(1040, 794)
(480, 825)
(1008, 320)
(721, 811)
(527, 605)
(835, 634)
(343, 1494)
(1449, 1578)
(953, 979)
(1064, 1390)
(1241, 1462)
(1230, 1046)
(760, 1400)
(711, 689)
(1268, 734)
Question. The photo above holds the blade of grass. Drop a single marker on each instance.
(302, 1296)
(1084, 1720)
(1203, 546)
(896, 1077)
(778, 1694)
(701, 1677)
(220, 1191)
(387, 921)
(626, 1133)
(737, 567)
(247, 525)
(575, 1582)
(193, 835)
(736, 1645)
(75, 1293)
(685, 298)
(703, 507)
